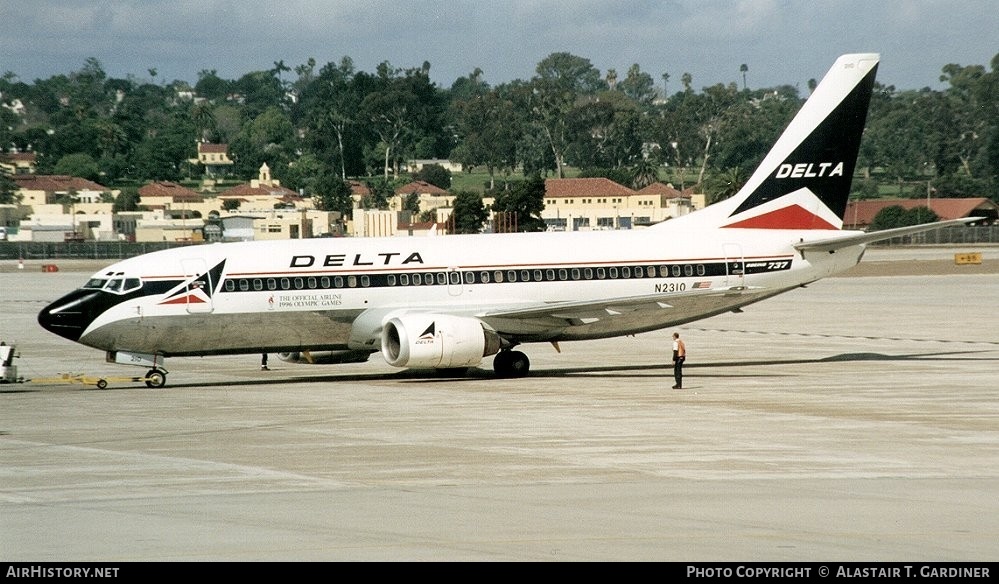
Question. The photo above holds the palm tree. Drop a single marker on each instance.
(280, 67)
(643, 173)
(204, 119)
(726, 183)
(744, 68)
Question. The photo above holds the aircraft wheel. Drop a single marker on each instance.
(102, 384)
(511, 364)
(155, 378)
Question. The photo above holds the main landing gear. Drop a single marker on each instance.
(509, 364)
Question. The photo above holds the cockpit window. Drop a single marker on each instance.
(116, 283)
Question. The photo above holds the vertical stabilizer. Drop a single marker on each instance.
(804, 182)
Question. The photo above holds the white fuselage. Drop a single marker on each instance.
(335, 293)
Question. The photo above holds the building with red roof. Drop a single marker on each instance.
(860, 214)
(581, 204)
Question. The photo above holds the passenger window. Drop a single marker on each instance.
(676, 271)
(244, 285)
(271, 284)
(285, 284)
(352, 281)
(230, 286)
(484, 277)
(700, 269)
(365, 281)
(311, 282)
(391, 279)
(498, 276)
(612, 272)
(688, 270)
(404, 279)
(258, 284)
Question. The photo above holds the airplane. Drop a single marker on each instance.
(448, 302)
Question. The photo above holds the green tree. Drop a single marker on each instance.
(127, 200)
(333, 193)
(210, 86)
(643, 173)
(329, 109)
(897, 216)
(8, 191)
(434, 174)
(259, 90)
(571, 73)
(604, 132)
(468, 214)
(380, 192)
(722, 185)
(79, 165)
(488, 126)
(203, 116)
(411, 203)
(526, 200)
(638, 86)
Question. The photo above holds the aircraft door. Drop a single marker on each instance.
(454, 283)
(735, 265)
(199, 286)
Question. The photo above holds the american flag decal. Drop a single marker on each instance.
(701, 285)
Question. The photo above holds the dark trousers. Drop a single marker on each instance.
(678, 370)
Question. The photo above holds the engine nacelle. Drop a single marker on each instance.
(325, 357)
(437, 340)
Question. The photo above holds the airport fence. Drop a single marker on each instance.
(961, 235)
(82, 250)
(116, 250)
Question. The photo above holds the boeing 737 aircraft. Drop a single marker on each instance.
(448, 302)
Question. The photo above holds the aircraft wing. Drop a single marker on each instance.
(575, 313)
(834, 243)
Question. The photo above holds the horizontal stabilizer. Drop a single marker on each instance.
(833, 243)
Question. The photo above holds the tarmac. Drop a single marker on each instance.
(854, 420)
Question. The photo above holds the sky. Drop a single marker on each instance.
(780, 41)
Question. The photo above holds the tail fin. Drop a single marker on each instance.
(804, 182)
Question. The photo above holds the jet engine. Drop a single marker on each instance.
(437, 340)
(325, 357)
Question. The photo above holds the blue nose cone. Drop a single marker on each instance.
(70, 315)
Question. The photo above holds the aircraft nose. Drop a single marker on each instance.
(70, 315)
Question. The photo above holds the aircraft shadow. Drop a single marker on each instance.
(708, 369)
(615, 371)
